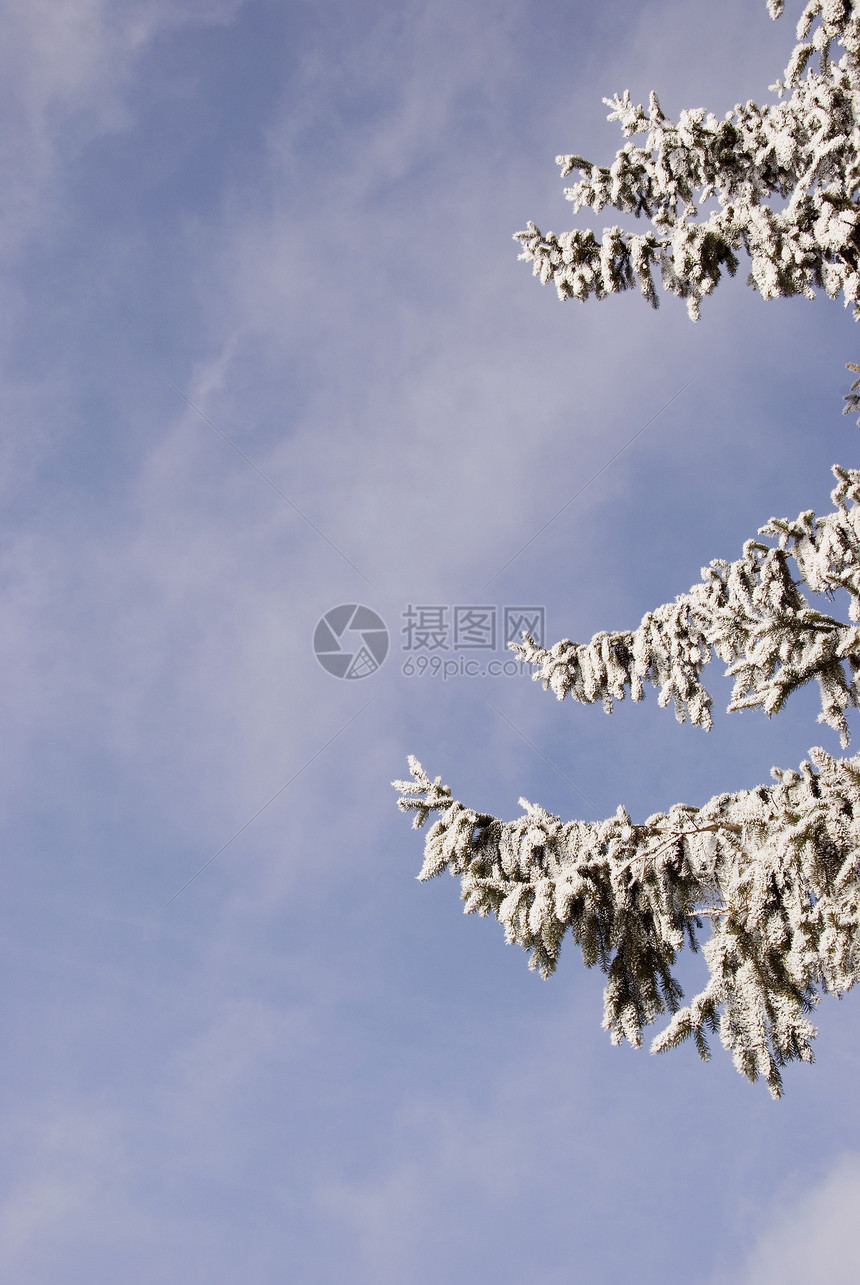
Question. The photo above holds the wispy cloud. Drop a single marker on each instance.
(813, 1237)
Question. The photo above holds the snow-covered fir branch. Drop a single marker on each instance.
(749, 613)
(775, 871)
(785, 178)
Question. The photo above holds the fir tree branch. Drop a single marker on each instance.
(749, 613)
(775, 869)
(802, 150)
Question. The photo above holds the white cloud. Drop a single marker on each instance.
(359, 327)
(64, 72)
(811, 1239)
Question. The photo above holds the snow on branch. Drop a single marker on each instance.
(775, 871)
(749, 613)
(803, 150)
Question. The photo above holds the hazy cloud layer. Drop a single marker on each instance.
(305, 1066)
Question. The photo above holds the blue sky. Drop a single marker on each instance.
(307, 1066)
